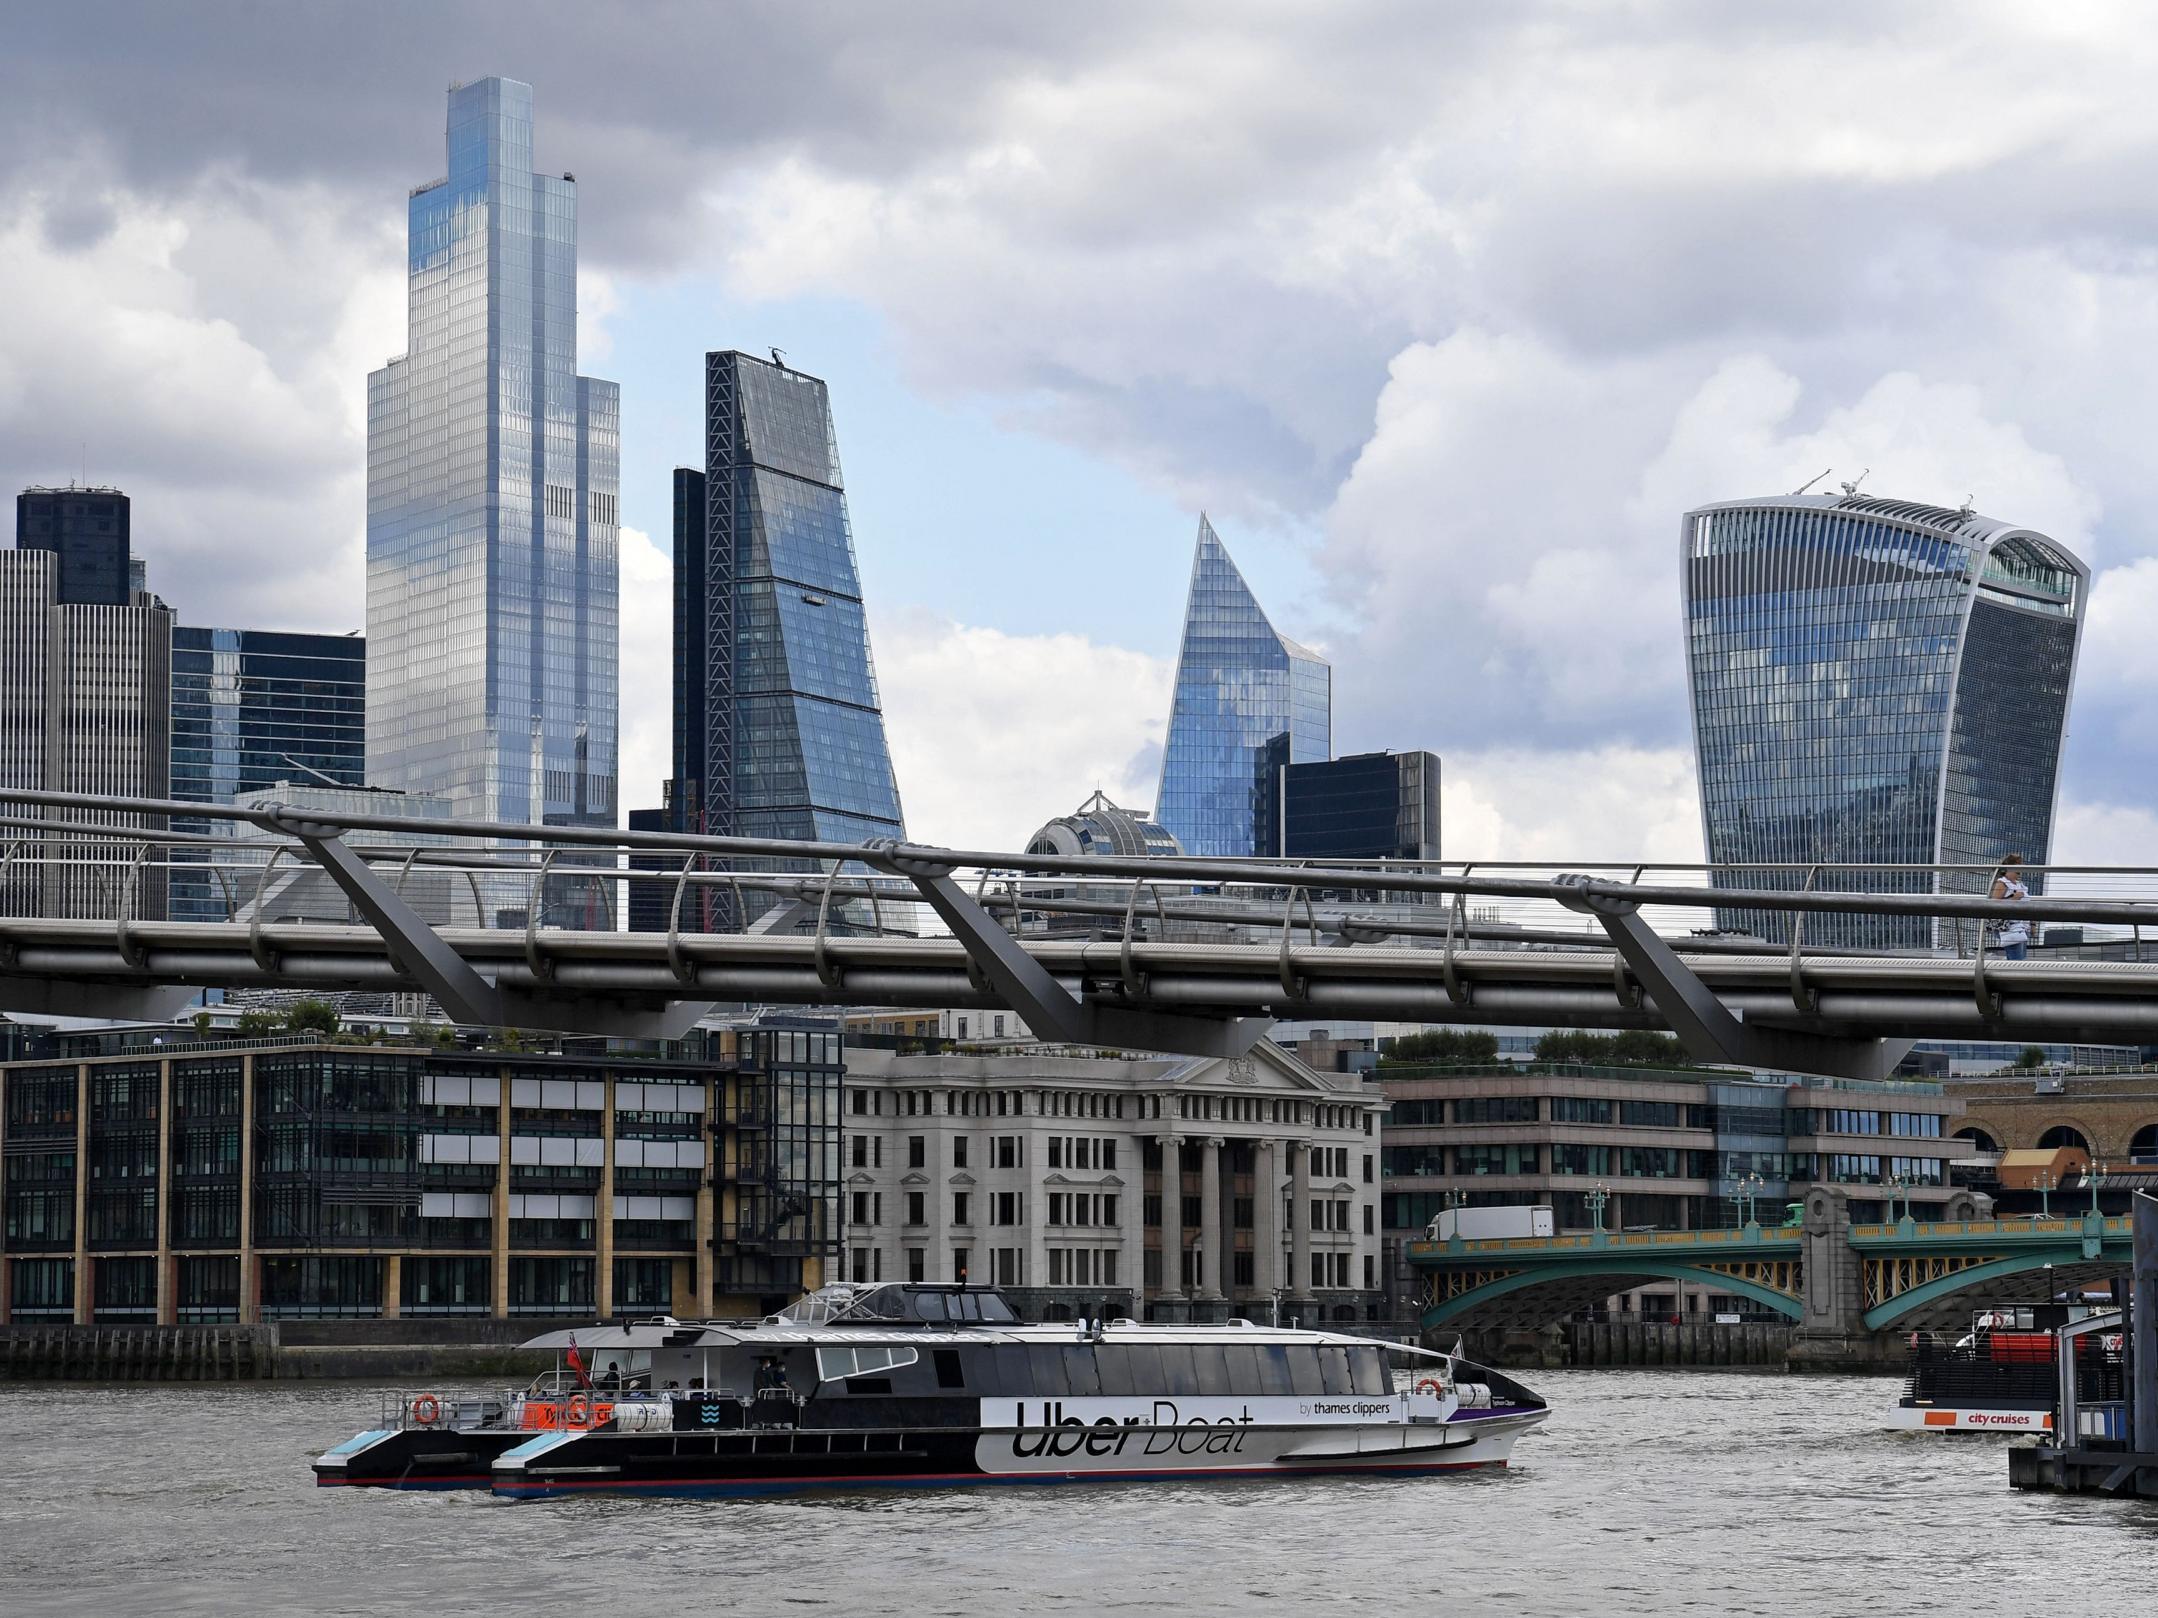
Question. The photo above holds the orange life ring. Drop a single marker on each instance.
(427, 1410)
(579, 1411)
(1432, 1386)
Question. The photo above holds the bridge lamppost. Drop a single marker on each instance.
(1899, 1186)
(1749, 1199)
(2091, 1172)
(1596, 1199)
(2043, 1179)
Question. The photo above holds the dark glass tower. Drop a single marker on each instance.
(1368, 806)
(781, 734)
(87, 529)
(251, 707)
(1874, 683)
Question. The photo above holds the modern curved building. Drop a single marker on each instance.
(1247, 700)
(1874, 682)
(1097, 828)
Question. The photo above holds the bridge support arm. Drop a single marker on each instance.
(462, 993)
(1704, 1024)
(1030, 989)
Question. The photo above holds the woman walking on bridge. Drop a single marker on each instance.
(2015, 936)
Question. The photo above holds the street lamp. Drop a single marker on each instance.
(1596, 1199)
(1749, 1197)
(2091, 1172)
(1899, 1186)
(2044, 1180)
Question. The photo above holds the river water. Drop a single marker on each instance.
(1647, 1492)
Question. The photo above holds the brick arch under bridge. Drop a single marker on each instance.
(2109, 1125)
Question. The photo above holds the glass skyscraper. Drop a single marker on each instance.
(1874, 682)
(252, 707)
(1240, 684)
(791, 739)
(491, 499)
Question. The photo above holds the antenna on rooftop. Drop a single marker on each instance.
(326, 780)
(1969, 507)
(1810, 482)
(1852, 486)
(779, 358)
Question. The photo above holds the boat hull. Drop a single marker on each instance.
(756, 1462)
(416, 1458)
(1968, 1419)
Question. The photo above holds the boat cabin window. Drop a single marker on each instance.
(873, 1359)
(949, 1374)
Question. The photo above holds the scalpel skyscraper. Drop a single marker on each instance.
(491, 485)
(1875, 682)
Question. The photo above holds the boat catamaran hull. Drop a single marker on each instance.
(920, 1386)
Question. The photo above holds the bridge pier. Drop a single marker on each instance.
(1832, 1334)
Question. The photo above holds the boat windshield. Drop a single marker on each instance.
(939, 1305)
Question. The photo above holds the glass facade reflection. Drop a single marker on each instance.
(253, 707)
(1874, 682)
(778, 729)
(1239, 685)
(491, 506)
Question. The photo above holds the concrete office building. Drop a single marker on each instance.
(1663, 1149)
(1874, 682)
(85, 706)
(1167, 1187)
(267, 1181)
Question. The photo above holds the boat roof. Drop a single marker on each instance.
(778, 1333)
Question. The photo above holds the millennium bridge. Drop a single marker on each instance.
(1181, 954)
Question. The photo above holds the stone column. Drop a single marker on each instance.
(250, 1265)
(498, 1256)
(166, 1311)
(1300, 1219)
(1172, 1215)
(83, 1302)
(1210, 1243)
(1266, 1218)
(603, 1206)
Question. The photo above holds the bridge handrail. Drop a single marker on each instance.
(2064, 1228)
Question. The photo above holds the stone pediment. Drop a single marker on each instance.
(961, 1178)
(914, 1177)
(861, 1177)
(1108, 1182)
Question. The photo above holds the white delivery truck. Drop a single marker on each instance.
(1487, 1224)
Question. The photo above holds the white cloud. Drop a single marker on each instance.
(1612, 804)
(994, 734)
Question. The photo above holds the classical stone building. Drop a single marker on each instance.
(1163, 1187)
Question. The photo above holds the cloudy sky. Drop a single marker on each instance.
(1443, 312)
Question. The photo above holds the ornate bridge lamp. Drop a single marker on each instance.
(1898, 1186)
(1749, 1201)
(2043, 1179)
(1598, 1196)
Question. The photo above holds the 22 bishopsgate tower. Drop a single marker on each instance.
(491, 490)
(1874, 682)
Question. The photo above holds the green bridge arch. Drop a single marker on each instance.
(1611, 1267)
(2066, 1260)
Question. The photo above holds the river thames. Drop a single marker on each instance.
(1647, 1492)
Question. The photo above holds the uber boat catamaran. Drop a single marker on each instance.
(905, 1384)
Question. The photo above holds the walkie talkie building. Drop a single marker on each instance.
(1874, 682)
